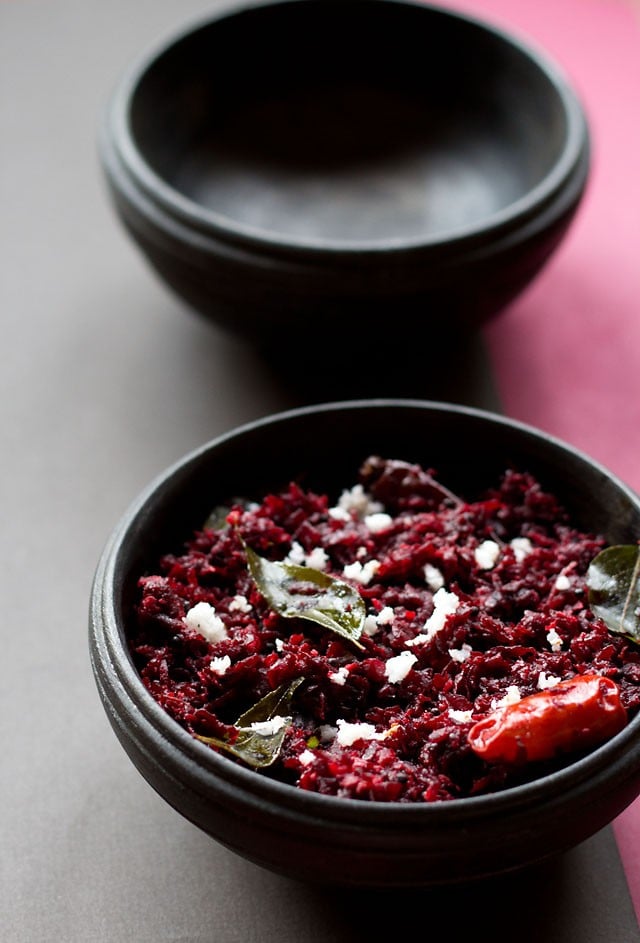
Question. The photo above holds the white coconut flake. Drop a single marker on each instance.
(486, 554)
(374, 621)
(296, 554)
(546, 681)
(445, 604)
(267, 728)
(356, 499)
(220, 666)
(554, 640)
(361, 573)
(327, 733)
(385, 616)
(433, 577)
(317, 558)
(378, 522)
(370, 626)
(460, 717)
(339, 676)
(279, 643)
(460, 654)
(348, 734)
(240, 603)
(521, 547)
(306, 757)
(511, 696)
(562, 582)
(397, 668)
(203, 618)
(339, 514)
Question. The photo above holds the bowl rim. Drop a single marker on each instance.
(113, 667)
(570, 170)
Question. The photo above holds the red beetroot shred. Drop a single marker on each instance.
(515, 621)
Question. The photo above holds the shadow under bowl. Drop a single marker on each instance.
(345, 841)
(362, 167)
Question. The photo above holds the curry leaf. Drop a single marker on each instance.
(217, 519)
(260, 731)
(304, 593)
(613, 579)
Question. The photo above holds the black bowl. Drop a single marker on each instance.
(345, 841)
(361, 168)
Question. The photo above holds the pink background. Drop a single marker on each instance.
(566, 355)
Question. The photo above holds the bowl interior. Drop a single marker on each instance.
(351, 122)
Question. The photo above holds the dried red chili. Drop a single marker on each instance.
(576, 714)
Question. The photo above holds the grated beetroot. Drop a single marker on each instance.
(521, 623)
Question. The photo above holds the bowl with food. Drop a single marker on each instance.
(298, 167)
(379, 643)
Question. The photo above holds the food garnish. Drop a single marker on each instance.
(613, 580)
(574, 715)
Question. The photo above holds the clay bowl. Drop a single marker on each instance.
(367, 168)
(324, 839)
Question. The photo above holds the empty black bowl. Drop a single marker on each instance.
(316, 837)
(304, 169)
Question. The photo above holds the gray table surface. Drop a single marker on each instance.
(106, 379)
